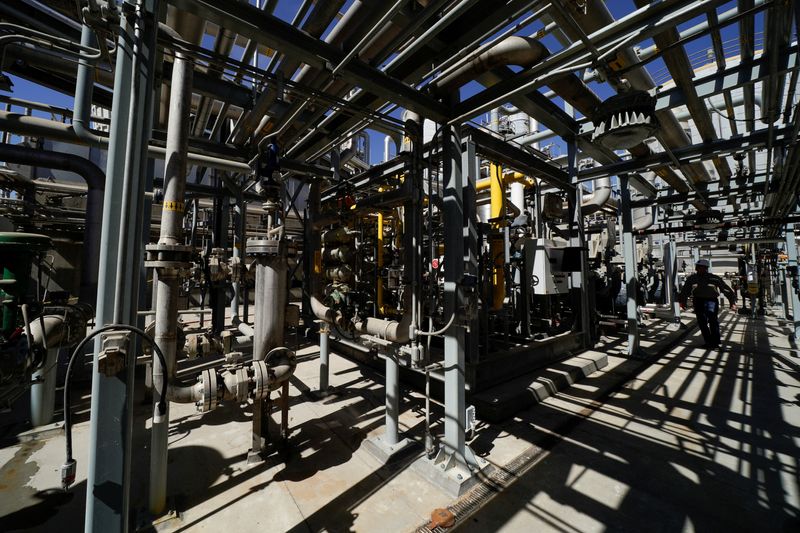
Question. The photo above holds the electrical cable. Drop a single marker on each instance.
(438, 332)
(68, 469)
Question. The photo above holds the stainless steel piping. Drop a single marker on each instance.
(167, 282)
(252, 121)
(51, 129)
(270, 300)
(679, 66)
(597, 17)
(95, 181)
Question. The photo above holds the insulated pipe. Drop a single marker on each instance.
(51, 333)
(595, 200)
(95, 181)
(167, 283)
(43, 390)
(270, 297)
(642, 223)
(390, 330)
(29, 125)
(514, 50)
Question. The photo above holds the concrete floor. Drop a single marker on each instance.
(691, 441)
(696, 441)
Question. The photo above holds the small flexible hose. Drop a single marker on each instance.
(439, 332)
(68, 469)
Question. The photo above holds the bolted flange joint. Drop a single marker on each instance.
(259, 247)
(168, 257)
(210, 398)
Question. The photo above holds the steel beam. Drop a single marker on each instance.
(747, 73)
(690, 153)
(503, 152)
(255, 24)
(636, 27)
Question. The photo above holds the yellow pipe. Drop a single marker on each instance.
(498, 211)
(498, 193)
(379, 260)
(513, 177)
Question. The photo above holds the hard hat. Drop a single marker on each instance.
(702, 263)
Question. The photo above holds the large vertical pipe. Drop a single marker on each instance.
(629, 254)
(270, 301)
(454, 442)
(671, 278)
(108, 436)
(167, 282)
(391, 431)
(324, 357)
(239, 236)
(43, 390)
(791, 252)
(580, 280)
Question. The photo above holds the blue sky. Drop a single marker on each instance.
(286, 10)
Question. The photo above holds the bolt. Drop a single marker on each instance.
(459, 477)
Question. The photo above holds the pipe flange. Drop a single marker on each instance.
(257, 247)
(261, 379)
(168, 256)
(242, 385)
(210, 391)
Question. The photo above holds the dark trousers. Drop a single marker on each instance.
(706, 311)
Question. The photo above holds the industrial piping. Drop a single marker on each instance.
(95, 181)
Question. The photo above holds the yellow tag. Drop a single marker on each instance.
(173, 206)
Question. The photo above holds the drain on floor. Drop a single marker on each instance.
(498, 480)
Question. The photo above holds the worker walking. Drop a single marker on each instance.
(705, 288)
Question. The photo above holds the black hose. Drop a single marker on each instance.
(78, 350)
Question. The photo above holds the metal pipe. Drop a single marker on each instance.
(110, 395)
(84, 89)
(391, 429)
(167, 282)
(95, 181)
(390, 330)
(270, 298)
(324, 357)
(514, 50)
(43, 390)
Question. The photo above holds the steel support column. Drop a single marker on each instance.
(580, 280)
(791, 251)
(629, 254)
(671, 277)
(108, 475)
(454, 359)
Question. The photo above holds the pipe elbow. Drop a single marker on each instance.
(514, 50)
